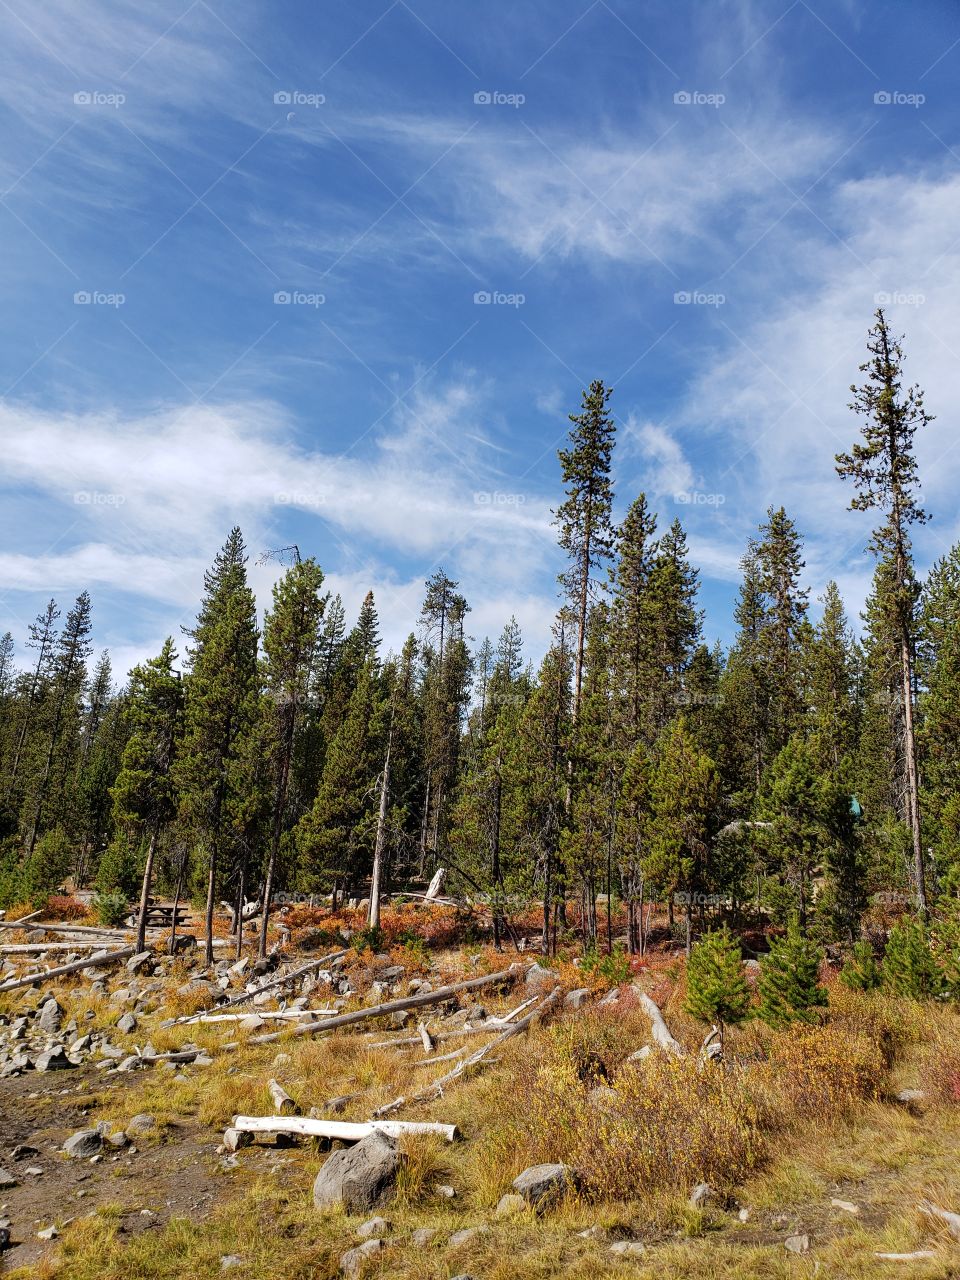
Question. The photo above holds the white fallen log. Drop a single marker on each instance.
(109, 957)
(340, 1130)
(950, 1220)
(284, 1104)
(20, 921)
(395, 1006)
(247, 996)
(658, 1028)
(429, 1044)
(277, 1015)
(41, 948)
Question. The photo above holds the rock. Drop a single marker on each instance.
(141, 1124)
(399, 1019)
(4, 1238)
(253, 1022)
(610, 998)
(542, 1183)
(702, 1194)
(460, 1238)
(423, 1236)
(118, 1140)
(48, 1233)
(352, 1261)
(133, 1063)
(445, 1191)
(798, 1243)
(127, 1023)
(509, 1205)
(54, 1059)
(24, 1152)
(538, 976)
(358, 1177)
(845, 1205)
(628, 1249)
(230, 1260)
(744, 1215)
(373, 1227)
(7, 1180)
(336, 1106)
(911, 1097)
(140, 961)
(50, 1015)
(576, 999)
(84, 1144)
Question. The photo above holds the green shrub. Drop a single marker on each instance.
(861, 971)
(120, 868)
(789, 980)
(111, 909)
(717, 990)
(613, 966)
(909, 966)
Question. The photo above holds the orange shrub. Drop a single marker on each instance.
(822, 1071)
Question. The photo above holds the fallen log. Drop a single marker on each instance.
(658, 1028)
(394, 1006)
(435, 1088)
(950, 1220)
(247, 996)
(339, 1130)
(278, 1015)
(108, 957)
(29, 948)
(429, 1044)
(284, 1104)
(20, 921)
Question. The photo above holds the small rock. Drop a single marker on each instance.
(373, 1227)
(576, 999)
(845, 1205)
(445, 1191)
(252, 1022)
(701, 1195)
(538, 976)
(798, 1243)
(628, 1249)
(84, 1144)
(7, 1180)
(744, 1215)
(24, 1151)
(141, 1124)
(127, 1023)
(140, 961)
(230, 1260)
(460, 1238)
(353, 1260)
(509, 1205)
(423, 1236)
(48, 1233)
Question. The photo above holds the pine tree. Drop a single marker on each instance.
(676, 628)
(861, 971)
(60, 712)
(717, 990)
(789, 980)
(832, 680)
(884, 471)
(42, 638)
(222, 712)
(779, 562)
(144, 799)
(685, 795)
(290, 639)
(938, 664)
(584, 519)
(633, 621)
(909, 966)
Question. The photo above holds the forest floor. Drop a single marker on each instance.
(175, 1203)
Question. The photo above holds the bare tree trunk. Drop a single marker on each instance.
(373, 914)
(176, 901)
(913, 785)
(208, 914)
(145, 891)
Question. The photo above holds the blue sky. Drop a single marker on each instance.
(698, 203)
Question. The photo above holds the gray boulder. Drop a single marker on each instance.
(538, 976)
(576, 999)
(127, 1023)
(351, 1263)
(54, 1059)
(542, 1183)
(358, 1177)
(84, 1144)
(50, 1015)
